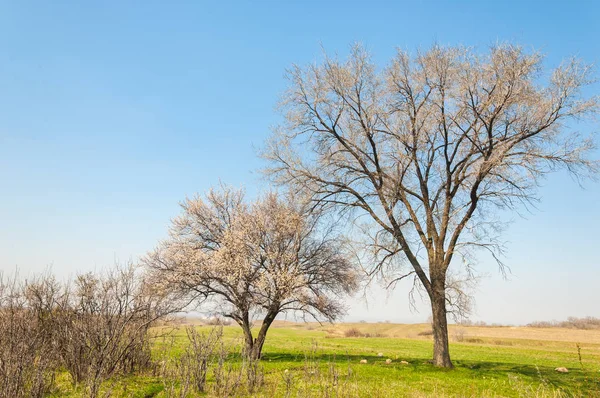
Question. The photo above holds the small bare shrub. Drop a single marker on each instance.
(229, 377)
(288, 382)
(374, 334)
(322, 378)
(579, 355)
(207, 353)
(218, 321)
(459, 335)
(254, 374)
(353, 332)
(200, 353)
(311, 364)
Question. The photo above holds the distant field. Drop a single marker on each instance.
(411, 331)
(489, 333)
(302, 360)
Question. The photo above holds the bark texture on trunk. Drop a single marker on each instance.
(254, 346)
(441, 351)
(248, 338)
(262, 335)
(256, 351)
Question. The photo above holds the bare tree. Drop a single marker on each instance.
(264, 258)
(427, 148)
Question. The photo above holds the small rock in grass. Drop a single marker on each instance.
(404, 362)
(562, 370)
(380, 354)
(363, 361)
(388, 361)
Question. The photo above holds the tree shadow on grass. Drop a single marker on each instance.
(576, 378)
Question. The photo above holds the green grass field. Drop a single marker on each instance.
(310, 360)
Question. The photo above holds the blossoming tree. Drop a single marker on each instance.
(243, 260)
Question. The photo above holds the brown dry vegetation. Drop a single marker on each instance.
(586, 323)
(485, 333)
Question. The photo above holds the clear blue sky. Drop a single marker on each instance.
(112, 112)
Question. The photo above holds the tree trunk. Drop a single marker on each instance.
(257, 347)
(441, 352)
(256, 351)
(248, 338)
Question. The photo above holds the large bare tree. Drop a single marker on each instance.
(244, 260)
(428, 147)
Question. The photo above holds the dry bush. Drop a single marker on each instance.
(27, 361)
(232, 378)
(103, 328)
(318, 377)
(188, 372)
(209, 353)
(353, 332)
(93, 328)
(201, 351)
(459, 335)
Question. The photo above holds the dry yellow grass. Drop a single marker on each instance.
(412, 331)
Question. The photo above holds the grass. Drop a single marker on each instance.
(310, 360)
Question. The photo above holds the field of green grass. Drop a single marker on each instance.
(309, 360)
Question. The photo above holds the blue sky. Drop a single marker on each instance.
(112, 112)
